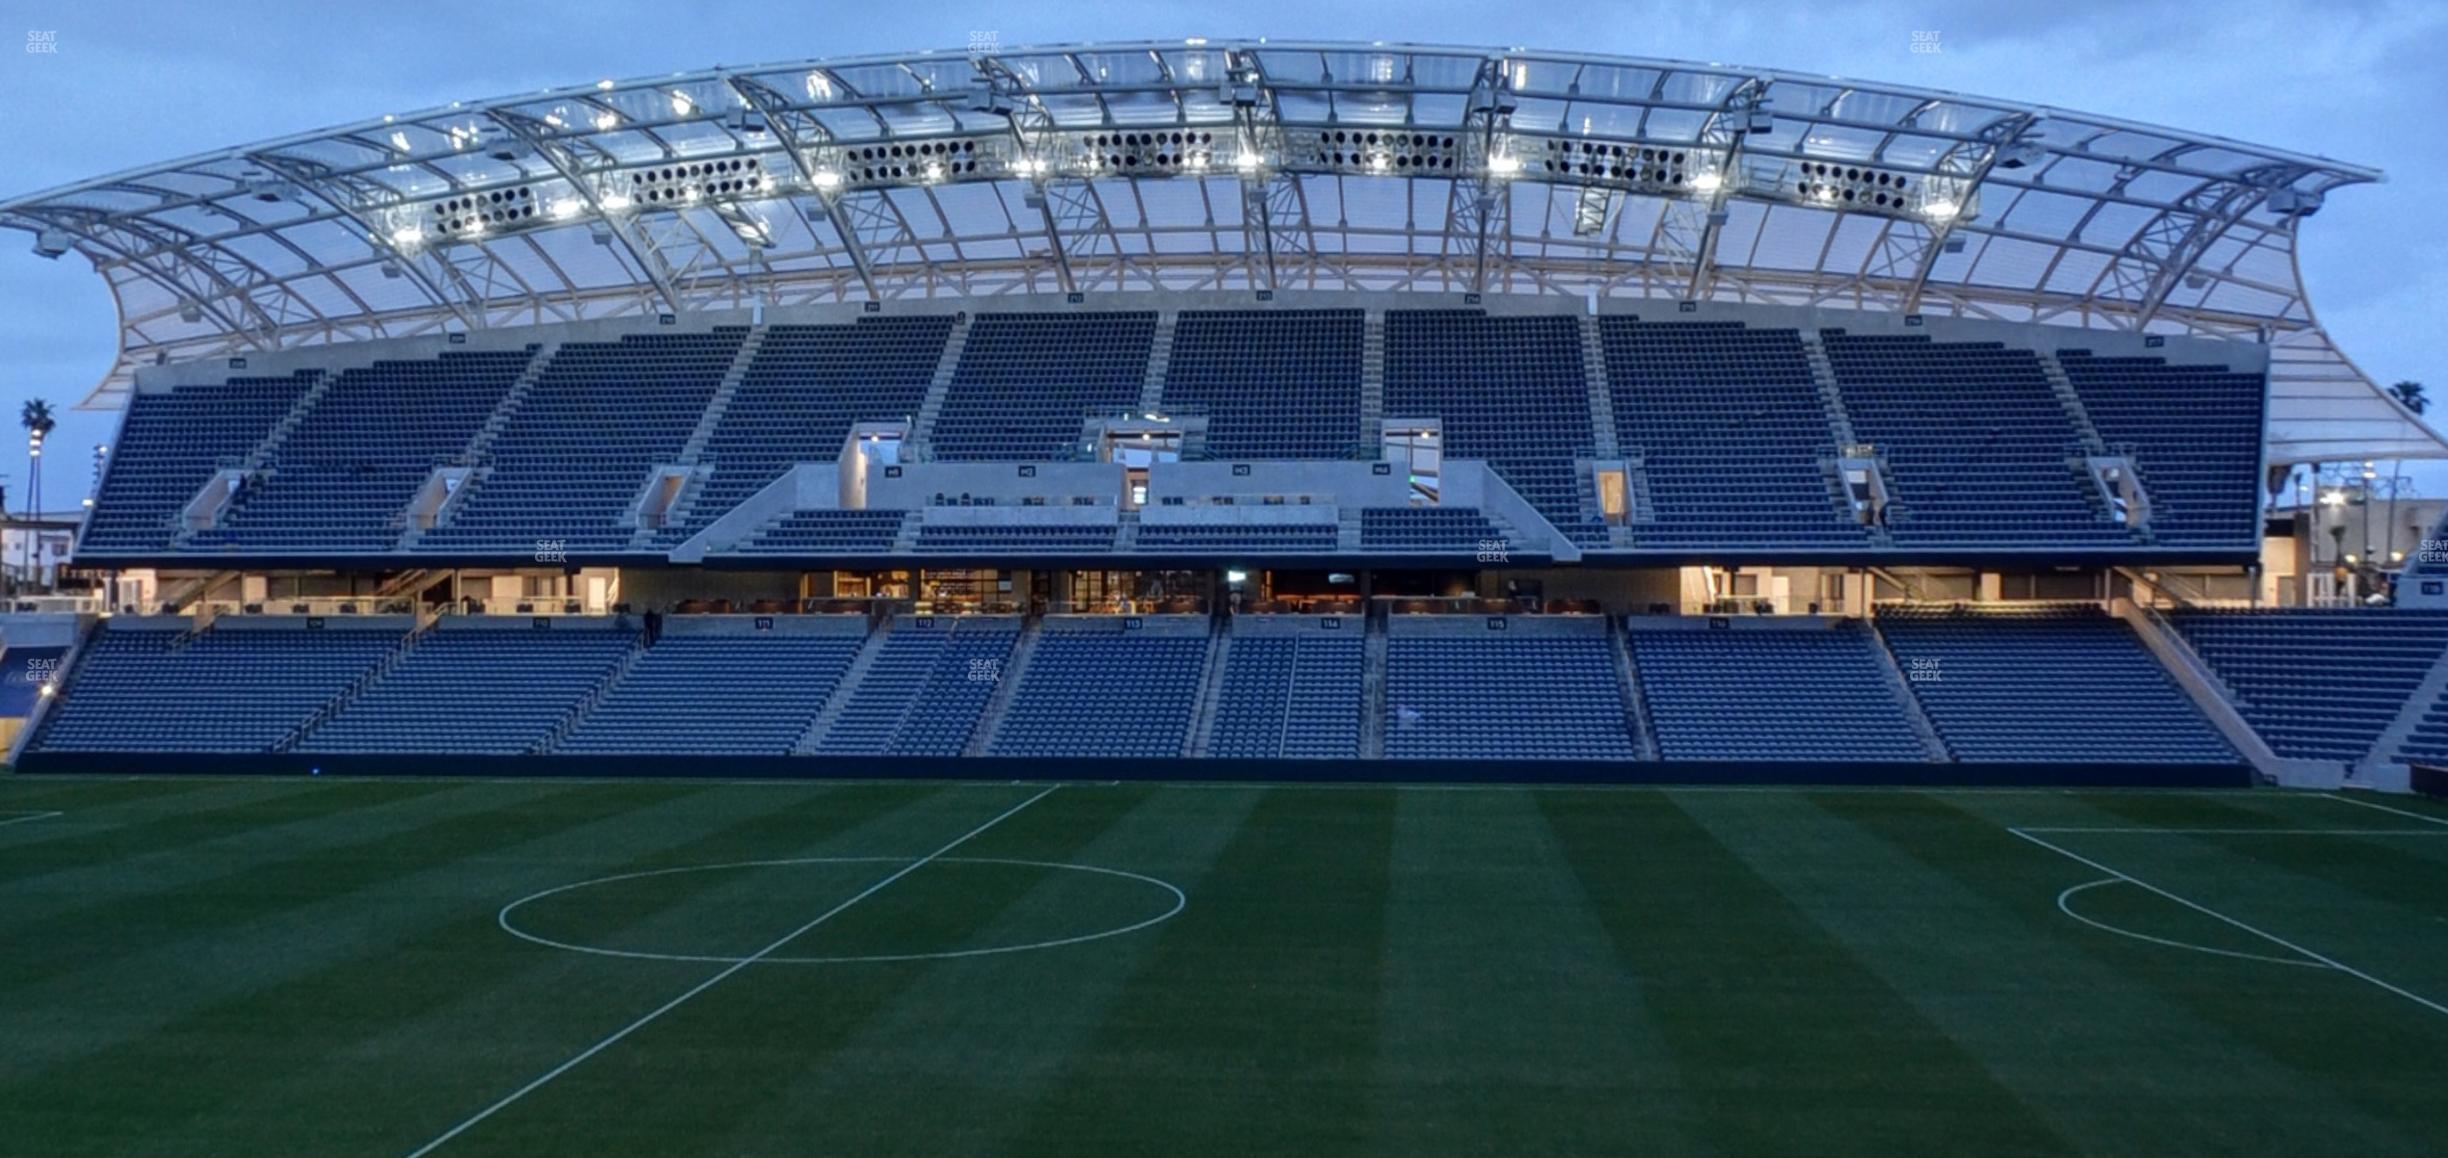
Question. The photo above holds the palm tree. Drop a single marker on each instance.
(2410, 393)
(37, 420)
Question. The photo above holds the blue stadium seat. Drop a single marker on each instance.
(825, 532)
(1027, 383)
(1229, 537)
(2195, 436)
(802, 392)
(1447, 530)
(2318, 684)
(924, 691)
(1732, 434)
(1509, 390)
(221, 690)
(343, 479)
(1096, 690)
(170, 445)
(1274, 384)
(1022, 538)
(575, 457)
(734, 694)
(1802, 694)
(1977, 449)
(2046, 685)
(476, 691)
(1501, 696)
(1295, 696)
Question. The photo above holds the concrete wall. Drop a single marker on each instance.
(734, 625)
(26, 629)
(949, 622)
(1118, 624)
(1056, 482)
(1328, 483)
(1731, 623)
(1279, 626)
(535, 623)
(1471, 625)
(394, 624)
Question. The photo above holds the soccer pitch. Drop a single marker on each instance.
(528, 967)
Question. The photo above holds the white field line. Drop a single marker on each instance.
(1221, 785)
(2241, 831)
(2264, 934)
(2064, 905)
(718, 978)
(2345, 799)
(9, 818)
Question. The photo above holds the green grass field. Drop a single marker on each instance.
(325, 967)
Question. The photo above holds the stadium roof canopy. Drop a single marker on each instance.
(1224, 165)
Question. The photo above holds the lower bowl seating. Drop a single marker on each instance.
(1768, 695)
(1504, 697)
(2064, 685)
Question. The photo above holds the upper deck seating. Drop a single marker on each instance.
(2195, 436)
(803, 391)
(1028, 384)
(1978, 451)
(1730, 433)
(575, 457)
(170, 444)
(343, 479)
(1511, 391)
(1273, 384)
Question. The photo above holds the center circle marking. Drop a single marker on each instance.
(1180, 901)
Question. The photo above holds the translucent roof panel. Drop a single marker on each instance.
(974, 181)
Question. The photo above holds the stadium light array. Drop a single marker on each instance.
(828, 180)
(1247, 162)
(566, 208)
(1707, 183)
(1504, 165)
(408, 236)
(1942, 210)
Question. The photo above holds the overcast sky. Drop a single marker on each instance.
(133, 83)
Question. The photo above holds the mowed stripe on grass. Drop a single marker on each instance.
(1358, 971)
(2232, 1056)
(321, 968)
(1789, 1042)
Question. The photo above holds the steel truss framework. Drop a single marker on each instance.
(1193, 165)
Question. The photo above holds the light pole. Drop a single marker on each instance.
(34, 441)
